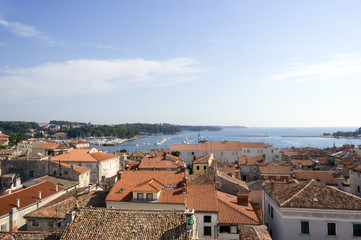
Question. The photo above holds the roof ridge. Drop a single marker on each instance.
(282, 204)
(349, 194)
(236, 210)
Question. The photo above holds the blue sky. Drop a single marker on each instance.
(250, 63)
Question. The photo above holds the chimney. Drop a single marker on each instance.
(237, 174)
(272, 185)
(246, 161)
(56, 187)
(194, 157)
(39, 195)
(18, 202)
(119, 175)
(242, 198)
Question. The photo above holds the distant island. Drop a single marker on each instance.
(350, 134)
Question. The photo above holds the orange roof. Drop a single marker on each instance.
(83, 155)
(327, 177)
(51, 146)
(76, 168)
(202, 197)
(77, 141)
(27, 196)
(203, 159)
(157, 162)
(149, 186)
(132, 179)
(172, 157)
(306, 162)
(274, 170)
(232, 212)
(217, 146)
(4, 135)
(251, 161)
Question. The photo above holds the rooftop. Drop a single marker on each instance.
(131, 180)
(251, 161)
(274, 170)
(97, 223)
(83, 155)
(328, 177)
(312, 194)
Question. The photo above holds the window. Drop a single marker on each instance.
(54, 173)
(207, 219)
(272, 212)
(269, 208)
(149, 196)
(207, 231)
(59, 224)
(225, 229)
(35, 223)
(3, 227)
(31, 173)
(140, 196)
(265, 176)
(204, 167)
(197, 167)
(357, 230)
(331, 229)
(305, 228)
(358, 188)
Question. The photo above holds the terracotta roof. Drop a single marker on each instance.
(217, 146)
(78, 169)
(232, 212)
(274, 170)
(65, 203)
(313, 194)
(202, 197)
(97, 223)
(172, 157)
(251, 161)
(4, 135)
(306, 162)
(328, 177)
(77, 142)
(157, 162)
(131, 179)
(234, 180)
(321, 160)
(27, 196)
(66, 184)
(149, 186)
(27, 235)
(83, 155)
(253, 232)
(33, 157)
(203, 159)
(52, 146)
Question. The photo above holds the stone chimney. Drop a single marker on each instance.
(242, 198)
(237, 174)
(39, 195)
(119, 175)
(18, 202)
(56, 187)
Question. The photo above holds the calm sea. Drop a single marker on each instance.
(279, 137)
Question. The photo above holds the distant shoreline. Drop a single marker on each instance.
(322, 136)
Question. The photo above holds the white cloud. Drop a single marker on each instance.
(337, 67)
(25, 31)
(89, 77)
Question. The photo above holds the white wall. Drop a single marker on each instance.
(198, 226)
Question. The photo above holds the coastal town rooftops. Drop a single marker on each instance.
(217, 146)
(76, 168)
(305, 162)
(78, 141)
(312, 194)
(274, 170)
(100, 223)
(28, 235)
(4, 135)
(327, 177)
(27, 196)
(64, 183)
(172, 192)
(84, 155)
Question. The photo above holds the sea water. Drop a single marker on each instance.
(278, 137)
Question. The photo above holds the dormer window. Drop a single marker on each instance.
(140, 196)
(149, 196)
